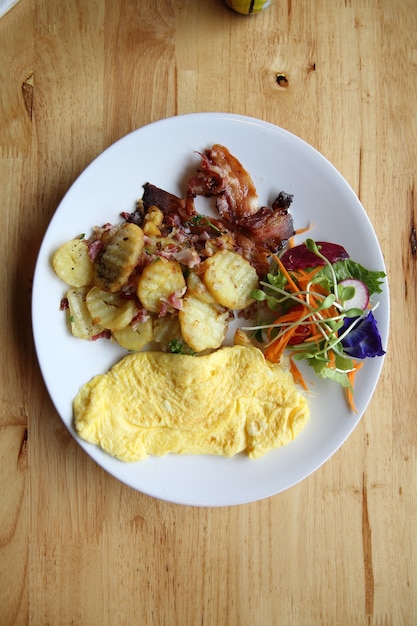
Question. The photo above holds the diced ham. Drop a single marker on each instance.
(94, 249)
(188, 257)
(141, 317)
(105, 334)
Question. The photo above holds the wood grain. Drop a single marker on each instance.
(78, 547)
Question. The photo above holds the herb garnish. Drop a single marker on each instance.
(202, 220)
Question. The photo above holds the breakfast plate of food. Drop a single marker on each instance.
(210, 310)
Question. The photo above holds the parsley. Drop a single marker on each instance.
(176, 346)
(202, 220)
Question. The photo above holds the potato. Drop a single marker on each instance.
(165, 329)
(224, 242)
(230, 279)
(155, 215)
(153, 219)
(158, 281)
(118, 257)
(81, 323)
(72, 263)
(109, 310)
(151, 229)
(134, 338)
(240, 338)
(196, 287)
(203, 326)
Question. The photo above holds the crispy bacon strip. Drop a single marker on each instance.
(223, 176)
(257, 231)
(167, 202)
(256, 252)
(268, 226)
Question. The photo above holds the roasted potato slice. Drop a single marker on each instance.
(197, 288)
(80, 320)
(240, 338)
(109, 310)
(134, 338)
(118, 257)
(72, 263)
(159, 280)
(230, 279)
(203, 326)
(152, 221)
(165, 329)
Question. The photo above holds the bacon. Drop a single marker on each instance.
(133, 218)
(256, 252)
(223, 176)
(188, 257)
(181, 234)
(94, 243)
(94, 248)
(269, 226)
(99, 230)
(142, 315)
(168, 203)
(175, 299)
(105, 334)
(163, 309)
(253, 231)
(257, 231)
(282, 201)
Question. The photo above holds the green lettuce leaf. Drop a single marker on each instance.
(321, 370)
(347, 268)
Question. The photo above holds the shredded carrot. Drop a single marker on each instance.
(297, 375)
(276, 349)
(299, 231)
(307, 276)
(314, 337)
(332, 359)
(314, 302)
(286, 274)
(293, 315)
(349, 399)
(349, 390)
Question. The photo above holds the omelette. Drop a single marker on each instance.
(223, 403)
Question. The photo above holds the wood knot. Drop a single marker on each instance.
(23, 451)
(27, 93)
(282, 80)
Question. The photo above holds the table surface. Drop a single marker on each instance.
(76, 545)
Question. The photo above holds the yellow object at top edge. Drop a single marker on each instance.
(248, 7)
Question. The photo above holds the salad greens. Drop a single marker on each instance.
(322, 314)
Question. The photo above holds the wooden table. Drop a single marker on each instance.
(77, 546)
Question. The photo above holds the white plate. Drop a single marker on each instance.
(163, 153)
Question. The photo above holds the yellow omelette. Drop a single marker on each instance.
(223, 403)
